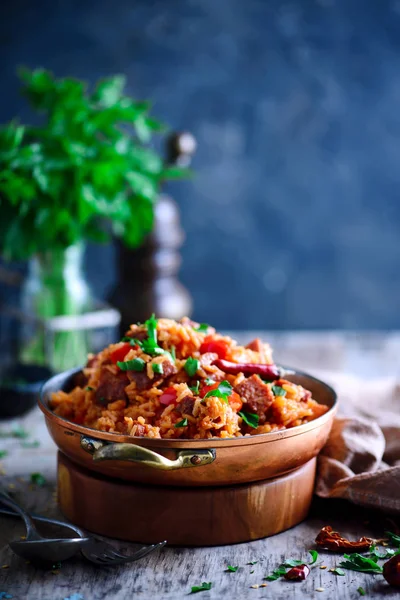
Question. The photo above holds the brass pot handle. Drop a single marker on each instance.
(139, 454)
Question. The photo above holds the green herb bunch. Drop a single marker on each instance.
(85, 173)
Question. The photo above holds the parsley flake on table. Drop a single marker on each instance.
(19, 432)
(191, 366)
(292, 562)
(201, 588)
(157, 368)
(250, 418)
(38, 479)
(314, 556)
(183, 423)
(357, 562)
(5, 595)
(223, 391)
(338, 571)
(3, 453)
(253, 562)
(361, 591)
(276, 574)
(278, 390)
(137, 364)
(231, 569)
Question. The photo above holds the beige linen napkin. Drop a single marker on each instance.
(361, 461)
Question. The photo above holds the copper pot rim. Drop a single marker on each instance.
(186, 443)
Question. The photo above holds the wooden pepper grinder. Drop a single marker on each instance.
(147, 276)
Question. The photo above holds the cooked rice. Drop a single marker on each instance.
(128, 402)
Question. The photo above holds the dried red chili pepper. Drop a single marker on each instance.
(271, 372)
(298, 573)
(332, 540)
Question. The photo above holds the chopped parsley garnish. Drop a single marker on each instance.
(338, 571)
(202, 328)
(34, 444)
(196, 388)
(3, 453)
(201, 588)
(357, 562)
(137, 364)
(361, 591)
(126, 338)
(250, 418)
(279, 572)
(278, 390)
(254, 562)
(393, 538)
(191, 366)
(89, 388)
(157, 368)
(183, 423)
(151, 325)
(209, 381)
(231, 569)
(38, 479)
(314, 556)
(173, 353)
(224, 390)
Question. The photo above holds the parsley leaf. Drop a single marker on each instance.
(3, 453)
(293, 562)
(126, 338)
(173, 353)
(201, 588)
(314, 556)
(182, 423)
(224, 390)
(251, 419)
(209, 381)
(338, 571)
(196, 388)
(278, 390)
(89, 389)
(231, 569)
(254, 562)
(18, 432)
(393, 538)
(361, 591)
(38, 479)
(276, 573)
(202, 328)
(34, 444)
(137, 364)
(157, 368)
(357, 562)
(151, 325)
(191, 366)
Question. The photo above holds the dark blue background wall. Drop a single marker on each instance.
(293, 219)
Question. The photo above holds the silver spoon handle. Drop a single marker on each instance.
(80, 532)
(30, 526)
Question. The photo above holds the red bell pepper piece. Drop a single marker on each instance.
(219, 347)
(119, 353)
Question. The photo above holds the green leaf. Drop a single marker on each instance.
(250, 419)
(19, 432)
(209, 381)
(196, 388)
(173, 353)
(176, 173)
(292, 562)
(357, 562)
(276, 574)
(38, 479)
(3, 453)
(202, 328)
(137, 364)
(192, 365)
(361, 591)
(142, 184)
(338, 571)
(151, 325)
(157, 368)
(182, 423)
(278, 391)
(231, 569)
(393, 538)
(201, 588)
(314, 556)
(224, 390)
(109, 91)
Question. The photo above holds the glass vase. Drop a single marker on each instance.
(55, 287)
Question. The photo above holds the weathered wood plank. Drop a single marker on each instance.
(170, 573)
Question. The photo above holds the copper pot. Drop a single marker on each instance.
(181, 462)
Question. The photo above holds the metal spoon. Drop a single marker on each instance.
(38, 548)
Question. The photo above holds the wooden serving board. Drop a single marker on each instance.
(184, 516)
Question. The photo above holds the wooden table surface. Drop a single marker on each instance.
(171, 572)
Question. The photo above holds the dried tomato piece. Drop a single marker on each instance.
(328, 539)
(298, 573)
